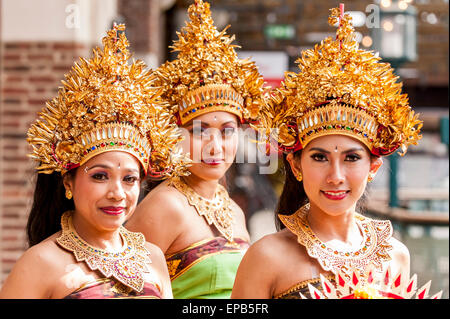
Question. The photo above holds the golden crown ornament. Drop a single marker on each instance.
(340, 89)
(107, 104)
(207, 75)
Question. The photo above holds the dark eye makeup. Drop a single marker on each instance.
(321, 157)
(103, 176)
(352, 157)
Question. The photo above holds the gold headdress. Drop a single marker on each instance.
(207, 76)
(106, 104)
(341, 89)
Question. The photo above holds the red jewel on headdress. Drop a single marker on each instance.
(70, 166)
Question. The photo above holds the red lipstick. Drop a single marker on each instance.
(113, 210)
(335, 195)
(212, 161)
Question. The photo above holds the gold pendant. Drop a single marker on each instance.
(216, 211)
(373, 249)
(126, 266)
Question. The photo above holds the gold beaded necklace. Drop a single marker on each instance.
(216, 211)
(126, 266)
(373, 249)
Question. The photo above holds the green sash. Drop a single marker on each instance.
(206, 269)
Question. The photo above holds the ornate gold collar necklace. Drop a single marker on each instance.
(126, 266)
(373, 249)
(216, 211)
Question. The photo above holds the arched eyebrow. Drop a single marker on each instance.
(350, 150)
(206, 124)
(104, 166)
(98, 165)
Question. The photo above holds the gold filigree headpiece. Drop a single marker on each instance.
(341, 89)
(106, 104)
(207, 75)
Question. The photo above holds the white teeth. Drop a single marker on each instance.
(335, 194)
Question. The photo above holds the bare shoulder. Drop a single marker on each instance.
(162, 198)
(273, 246)
(36, 272)
(400, 252)
(164, 205)
(398, 246)
(43, 255)
(239, 221)
(155, 251)
(237, 210)
(262, 265)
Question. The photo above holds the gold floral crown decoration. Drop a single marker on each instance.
(106, 104)
(341, 89)
(207, 75)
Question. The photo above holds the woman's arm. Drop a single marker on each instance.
(400, 258)
(31, 276)
(256, 273)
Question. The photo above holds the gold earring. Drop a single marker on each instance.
(370, 177)
(298, 176)
(68, 194)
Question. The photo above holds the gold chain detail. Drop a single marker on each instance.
(216, 211)
(126, 266)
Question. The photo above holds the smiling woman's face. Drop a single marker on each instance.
(106, 189)
(211, 139)
(335, 169)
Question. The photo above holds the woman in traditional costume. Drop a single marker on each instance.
(93, 143)
(333, 120)
(200, 229)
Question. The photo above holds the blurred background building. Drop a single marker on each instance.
(40, 40)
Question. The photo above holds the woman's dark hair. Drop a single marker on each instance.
(147, 185)
(293, 195)
(49, 203)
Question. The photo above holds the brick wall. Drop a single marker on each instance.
(30, 74)
(143, 19)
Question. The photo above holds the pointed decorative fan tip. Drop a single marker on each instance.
(325, 284)
(355, 278)
(328, 288)
(302, 296)
(349, 288)
(412, 285)
(315, 293)
(340, 280)
(422, 293)
(386, 277)
(437, 296)
(398, 281)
